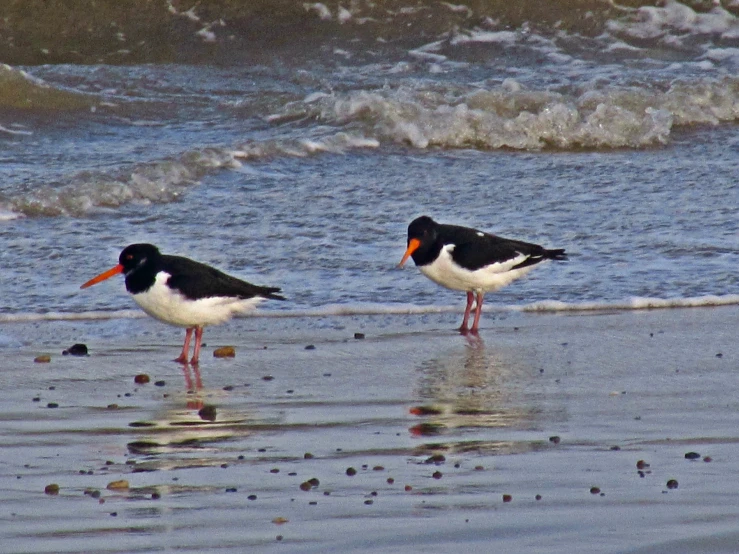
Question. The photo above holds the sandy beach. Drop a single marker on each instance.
(551, 433)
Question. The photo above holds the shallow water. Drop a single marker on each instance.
(655, 385)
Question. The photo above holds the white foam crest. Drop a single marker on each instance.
(636, 303)
(156, 182)
(336, 143)
(372, 309)
(657, 22)
(515, 117)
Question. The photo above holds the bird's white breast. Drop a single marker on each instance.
(169, 306)
(447, 273)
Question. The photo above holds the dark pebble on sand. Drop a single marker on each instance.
(538, 497)
(594, 490)
(390, 480)
(692, 456)
(310, 347)
(52, 489)
(274, 470)
(231, 489)
(292, 474)
(224, 466)
(76, 350)
(141, 379)
(479, 468)
(615, 448)
(278, 537)
(112, 406)
(368, 502)
(251, 497)
(208, 413)
(507, 498)
(267, 378)
(435, 459)
(672, 484)
(554, 439)
(378, 468)
(707, 459)
(641, 464)
(305, 486)
(159, 383)
(307, 456)
(36, 399)
(719, 355)
(350, 471)
(52, 405)
(113, 514)
(314, 482)
(155, 496)
(240, 457)
(437, 475)
(358, 335)
(228, 388)
(408, 488)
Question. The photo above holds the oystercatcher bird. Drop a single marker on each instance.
(183, 292)
(461, 258)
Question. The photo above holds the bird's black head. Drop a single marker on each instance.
(137, 255)
(422, 238)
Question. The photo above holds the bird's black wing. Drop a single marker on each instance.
(196, 280)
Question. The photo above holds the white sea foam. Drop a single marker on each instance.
(371, 309)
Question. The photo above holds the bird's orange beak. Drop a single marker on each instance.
(413, 245)
(103, 276)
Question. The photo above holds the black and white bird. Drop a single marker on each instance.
(183, 292)
(461, 258)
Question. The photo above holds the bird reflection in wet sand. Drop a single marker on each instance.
(473, 389)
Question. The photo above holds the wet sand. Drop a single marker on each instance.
(554, 410)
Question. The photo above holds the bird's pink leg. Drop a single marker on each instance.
(463, 327)
(186, 347)
(198, 341)
(478, 313)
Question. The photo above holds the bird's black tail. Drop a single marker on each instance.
(556, 254)
(269, 293)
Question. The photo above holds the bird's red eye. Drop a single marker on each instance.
(129, 256)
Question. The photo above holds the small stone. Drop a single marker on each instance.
(368, 502)
(594, 490)
(479, 468)
(121, 484)
(307, 456)
(310, 347)
(314, 482)
(52, 405)
(305, 486)
(378, 468)
(280, 520)
(155, 496)
(359, 336)
(707, 459)
(252, 497)
(159, 383)
(616, 447)
(52, 489)
(408, 488)
(224, 352)
(435, 459)
(42, 359)
(112, 406)
(554, 440)
(507, 498)
(538, 497)
(76, 350)
(692, 456)
(231, 489)
(267, 378)
(278, 538)
(351, 472)
(228, 388)
(437, 475)
(390, 480)
(641, 464)
(141, 379)
(672, 484)
(274, 470)
(207, 413)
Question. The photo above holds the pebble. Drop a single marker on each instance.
(280, 520)
(42, 359)
(692, 456)
(52, 489)
(672, 484)
(307, 456)
(594, 490)
(507, 498)
(141, 379)
(641, 464)
(350, 471)
(554, 440)
(435, 459)
(160, 383)
(52, 405)
(224, 352)
(305, 486)
(310, 347)
(76, 350)
(437, 475)
(208, 413)
(358, 336)
(121, 484)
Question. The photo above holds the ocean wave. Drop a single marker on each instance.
(19, 90)
(512, 116)
(370, 309)
(162, 181)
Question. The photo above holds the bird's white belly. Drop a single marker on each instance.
(447, 273)
(169, 306)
